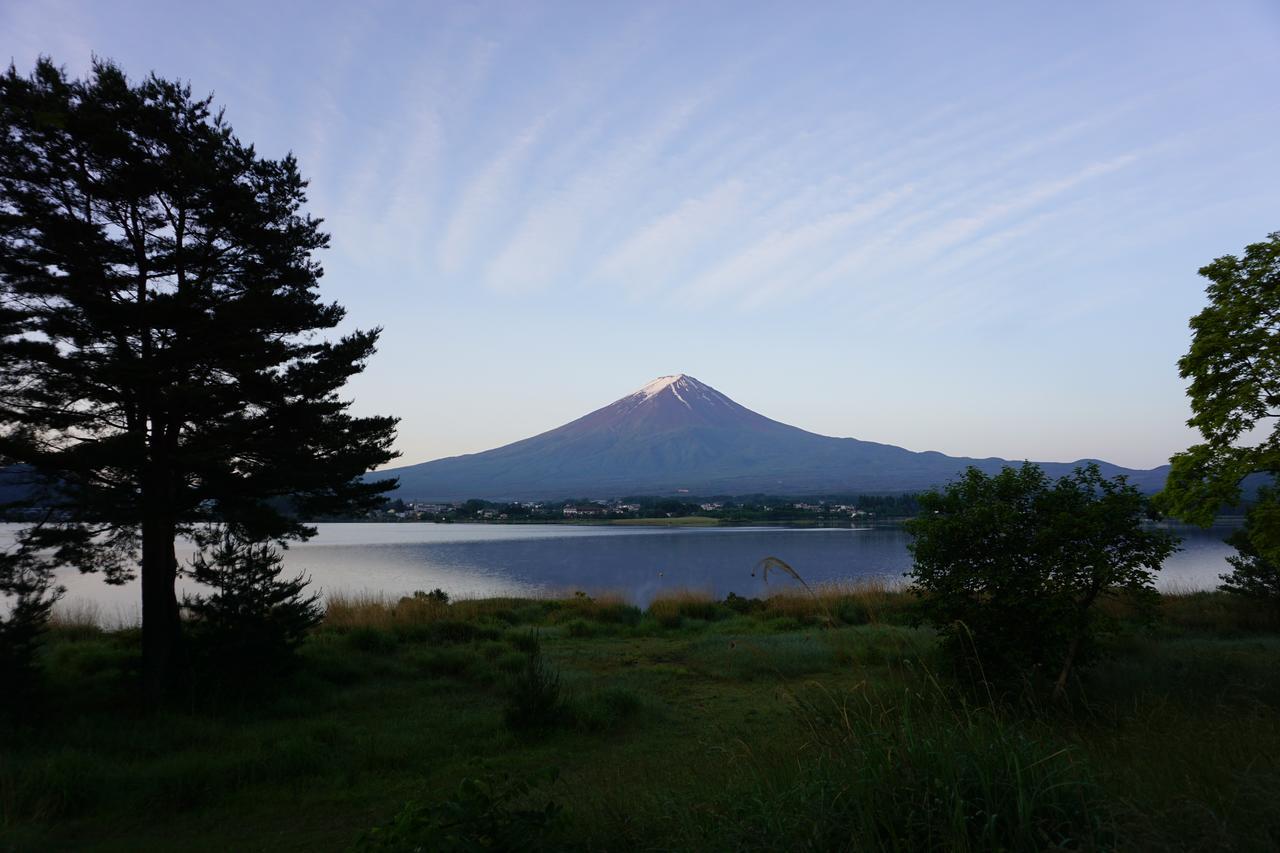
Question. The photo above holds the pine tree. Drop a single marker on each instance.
(163, 357)
(27, 595)
(252, 618)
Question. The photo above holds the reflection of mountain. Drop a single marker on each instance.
(677, 433)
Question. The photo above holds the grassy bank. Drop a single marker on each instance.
(790, 723)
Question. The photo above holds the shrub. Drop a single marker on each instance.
(743, 606)
(1010, 566)
(436, 596)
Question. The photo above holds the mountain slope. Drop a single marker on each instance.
(678, 433)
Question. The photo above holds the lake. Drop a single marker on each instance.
(637, 562)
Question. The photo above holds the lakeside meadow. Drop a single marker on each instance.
(825, 721)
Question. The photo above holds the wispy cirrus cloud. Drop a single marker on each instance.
(769, 263)
(485, 200)
(649, 257)
(545, 240)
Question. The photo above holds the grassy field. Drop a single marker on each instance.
(694, 725)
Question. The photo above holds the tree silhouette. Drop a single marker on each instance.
(163, 362)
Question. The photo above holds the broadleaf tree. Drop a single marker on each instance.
(167, 364)
(1234, 368)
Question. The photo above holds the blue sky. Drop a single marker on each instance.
(966, 227)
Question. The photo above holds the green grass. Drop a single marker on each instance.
(694, 725)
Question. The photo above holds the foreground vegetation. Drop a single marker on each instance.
(791, 723)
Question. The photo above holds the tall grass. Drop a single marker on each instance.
(77, 619)
(534, 700)
(607, 607)
(1217, 612)
(672, 607)
(345, 610)
(923, 769)
(865, 601)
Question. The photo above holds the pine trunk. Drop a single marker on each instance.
(161, 626)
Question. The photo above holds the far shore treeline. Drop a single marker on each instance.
(720, 508)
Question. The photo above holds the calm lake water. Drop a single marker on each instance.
(486, 559)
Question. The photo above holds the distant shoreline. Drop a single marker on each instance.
(678, 521)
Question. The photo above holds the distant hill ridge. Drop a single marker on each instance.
(678, 433)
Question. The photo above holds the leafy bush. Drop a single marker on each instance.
(254, 619)
(486, 812)
(436, 596)
(1010, 566)
(743, 606)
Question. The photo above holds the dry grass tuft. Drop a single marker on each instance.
(673, 606)
(374, 610)
(79, 616)
(602, 607)
(367, 609)
(865, 601)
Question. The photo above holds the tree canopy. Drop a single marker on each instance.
(166, 361)
(1234, 370)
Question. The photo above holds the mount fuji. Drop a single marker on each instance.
(677, 433)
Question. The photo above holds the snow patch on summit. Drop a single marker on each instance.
(680, 382)
(655, 387)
